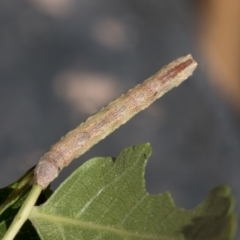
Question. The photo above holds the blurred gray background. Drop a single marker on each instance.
(62, 60)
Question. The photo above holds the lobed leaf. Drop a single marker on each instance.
(105, 198)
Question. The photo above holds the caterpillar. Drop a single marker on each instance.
(109, 118)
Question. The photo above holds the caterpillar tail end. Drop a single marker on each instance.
(45, 173)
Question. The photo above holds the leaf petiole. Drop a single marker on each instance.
(23, 213)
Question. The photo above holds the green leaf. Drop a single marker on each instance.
(105, 198)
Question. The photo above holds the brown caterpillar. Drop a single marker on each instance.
(109, 118)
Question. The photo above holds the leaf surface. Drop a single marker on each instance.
(105, 198)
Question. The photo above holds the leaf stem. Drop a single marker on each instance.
(23, 213)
